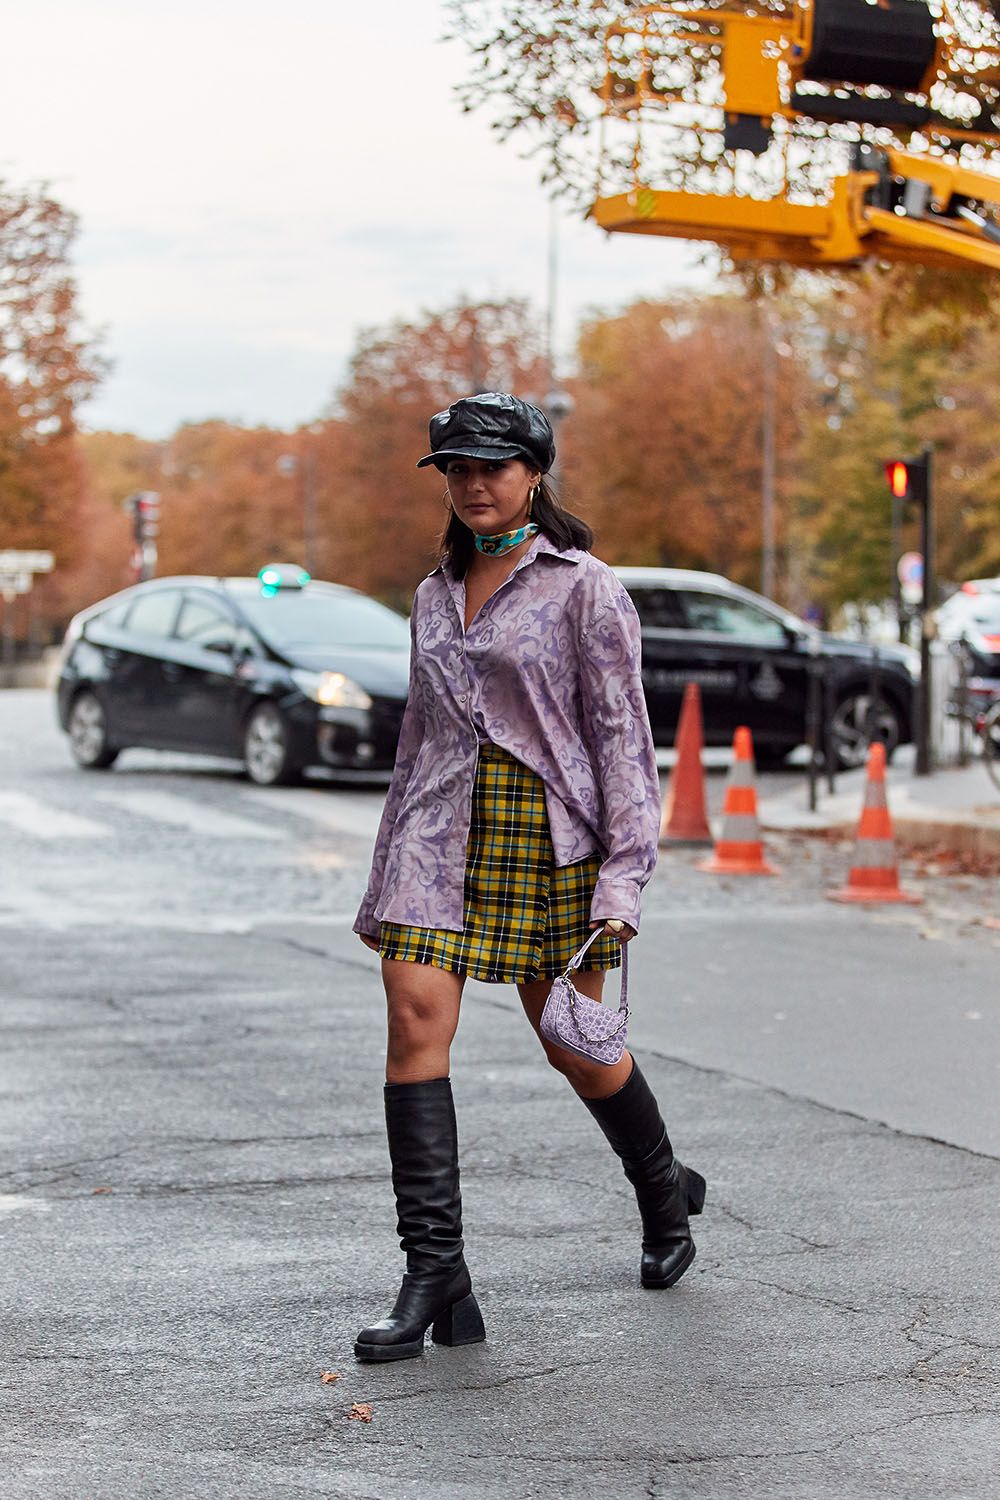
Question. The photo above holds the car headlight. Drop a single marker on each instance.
(331, 689)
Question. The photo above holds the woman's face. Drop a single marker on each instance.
(489, 496)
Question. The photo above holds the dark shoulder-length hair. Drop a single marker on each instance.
(563, 529)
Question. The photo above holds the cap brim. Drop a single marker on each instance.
(487, 454)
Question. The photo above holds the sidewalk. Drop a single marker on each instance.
(954, 809)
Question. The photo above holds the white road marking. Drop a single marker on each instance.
(185, 812)
(336, 811)
(46, 911)
(12, 1202)
(43, 821)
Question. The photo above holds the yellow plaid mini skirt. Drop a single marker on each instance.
(524, 918)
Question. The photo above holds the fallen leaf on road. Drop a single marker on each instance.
(102, 1190)
(361, 1411)
(328, 1376)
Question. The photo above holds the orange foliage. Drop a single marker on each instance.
(390, 515)
(46, 368)
(664, 448)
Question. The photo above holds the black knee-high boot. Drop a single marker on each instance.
(437, 1289)
(665, 1191)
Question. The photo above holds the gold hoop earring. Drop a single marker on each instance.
(531, 499)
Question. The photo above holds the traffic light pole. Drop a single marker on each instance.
(925, 752)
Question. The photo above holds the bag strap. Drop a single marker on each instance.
(578, 957)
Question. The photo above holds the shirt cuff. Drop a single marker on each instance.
(616, 898)
(365, 923)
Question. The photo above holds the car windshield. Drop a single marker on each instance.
(317, 618)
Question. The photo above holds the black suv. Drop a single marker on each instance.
(751, 659)
(278, 671)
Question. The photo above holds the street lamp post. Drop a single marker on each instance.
(558, 402)
(291, 463)
(768, 445)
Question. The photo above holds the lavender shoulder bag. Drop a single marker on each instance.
(582, 1025)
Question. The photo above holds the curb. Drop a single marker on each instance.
(957, 836)
(976, 833)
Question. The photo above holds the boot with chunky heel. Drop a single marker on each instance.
(461, 1323)
(437, 1290)
(666, 1191)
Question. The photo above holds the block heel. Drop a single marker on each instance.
(696, 1189)
(461, 1323)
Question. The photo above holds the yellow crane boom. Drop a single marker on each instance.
(868, 77)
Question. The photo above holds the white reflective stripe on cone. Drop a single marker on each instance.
(874, 854)
(741, 773)
(740, 828)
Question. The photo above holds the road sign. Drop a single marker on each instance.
(15, 583)
(26, 562)
(910, 572)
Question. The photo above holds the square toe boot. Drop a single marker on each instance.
(437, 1290)
(666, 1191)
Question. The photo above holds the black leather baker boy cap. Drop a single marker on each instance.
(491, 426)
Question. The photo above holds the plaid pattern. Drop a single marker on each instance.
(524, 919)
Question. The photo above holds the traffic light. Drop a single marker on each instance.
(908, 479)
(145, 507)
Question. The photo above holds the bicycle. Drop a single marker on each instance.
(988, 725)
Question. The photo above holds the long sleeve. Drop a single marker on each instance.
(621, 742)
(411, 736)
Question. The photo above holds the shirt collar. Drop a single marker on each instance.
(541, 546)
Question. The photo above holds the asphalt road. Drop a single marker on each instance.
(194, 1204)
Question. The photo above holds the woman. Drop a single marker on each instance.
(524, 811)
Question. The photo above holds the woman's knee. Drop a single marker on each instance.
(578, 1072)
(422, 1007)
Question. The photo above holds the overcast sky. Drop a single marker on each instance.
(256, 181)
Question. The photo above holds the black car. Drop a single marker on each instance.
(751, 660)
(279, 671)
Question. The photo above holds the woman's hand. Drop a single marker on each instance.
(621, 930)
(369, 942)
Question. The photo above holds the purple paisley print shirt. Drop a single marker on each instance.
(549, 669)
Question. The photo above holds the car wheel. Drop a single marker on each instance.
(851, 728)
(88, 734)
(267, 747)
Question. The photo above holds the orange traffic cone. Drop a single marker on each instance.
(739, 851)
(684, 820)
(874, 875)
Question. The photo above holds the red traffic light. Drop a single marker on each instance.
(898, 475)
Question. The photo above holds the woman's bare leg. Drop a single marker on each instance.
(423, 1007)
(621, 1102)
(590, 1080)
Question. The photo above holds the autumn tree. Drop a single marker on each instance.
(664, 450)
(900, 359)
(232, 498)
(388, 515)
(47, 367)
